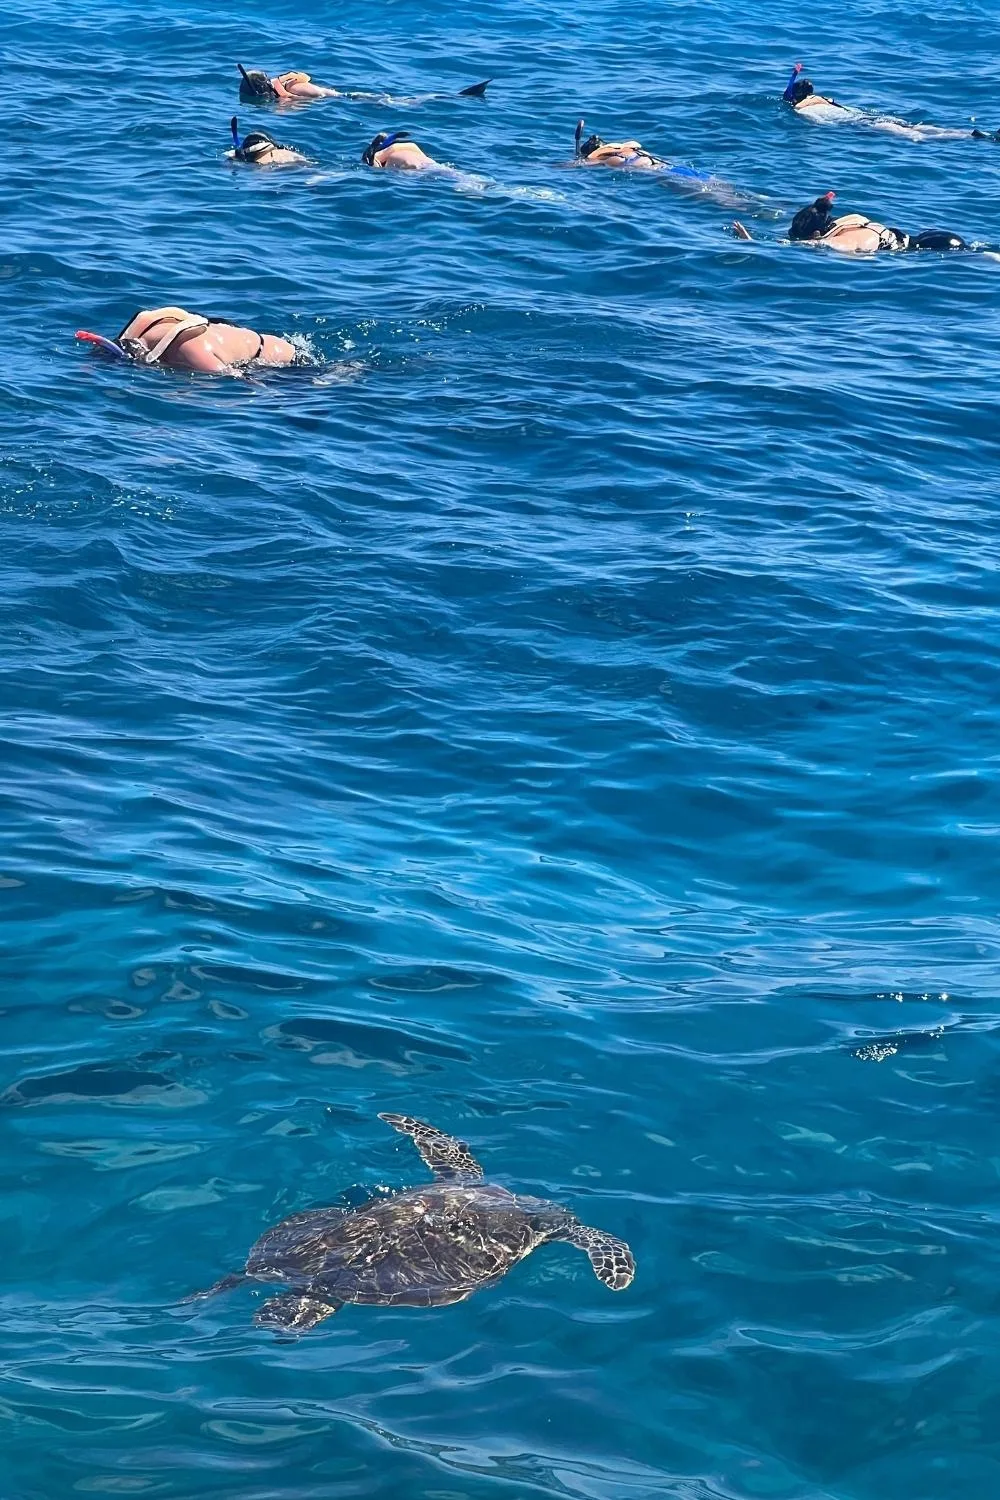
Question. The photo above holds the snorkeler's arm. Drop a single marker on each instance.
(312, 90)
(787, 95)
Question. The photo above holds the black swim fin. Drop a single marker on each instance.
(936, 239)
(475, 90)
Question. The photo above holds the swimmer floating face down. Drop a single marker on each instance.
(182, 340)
(258, 149)
(593, 152)
(256, 87)
(631, 156)
(397, 151)
(855, 234)
(819, 108)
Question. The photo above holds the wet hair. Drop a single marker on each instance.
(809, 223)
(937, 239)
(255, 84)
(801, 89)
(379, 143)
(591, 144)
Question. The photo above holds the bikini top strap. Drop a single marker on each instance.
(183, 325)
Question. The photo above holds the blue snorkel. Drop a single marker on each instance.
(237, 143)
(787, 95)
(381, 143)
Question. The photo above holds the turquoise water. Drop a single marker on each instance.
(567, 712)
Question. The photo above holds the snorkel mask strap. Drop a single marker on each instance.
(790, 86)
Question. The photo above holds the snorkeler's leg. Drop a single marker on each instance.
(275, 351)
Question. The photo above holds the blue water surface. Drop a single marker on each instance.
(565, 711)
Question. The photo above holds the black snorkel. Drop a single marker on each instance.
(256, 85)
(590, 145)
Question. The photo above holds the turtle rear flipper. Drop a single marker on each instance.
(294, 1312)
(226, 1284)
(612, 1260)
(450, 1160)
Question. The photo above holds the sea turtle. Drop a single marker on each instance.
(423, 1247)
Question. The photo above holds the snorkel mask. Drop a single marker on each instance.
(801, 90)
(256, 85)
(381, 142)
(589, 146)
(253, 146)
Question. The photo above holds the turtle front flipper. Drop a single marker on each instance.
(612, 1260)
(450, 1160)
(291, 1312)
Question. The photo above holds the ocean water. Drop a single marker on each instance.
(565, 711)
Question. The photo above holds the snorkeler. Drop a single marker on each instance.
(257, 87)
(801, 95)
(631, 156)
(182, 340)
(396, 150)
(856, 234)
(261, 150)
(593, 152)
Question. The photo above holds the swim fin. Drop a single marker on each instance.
(475, 90)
